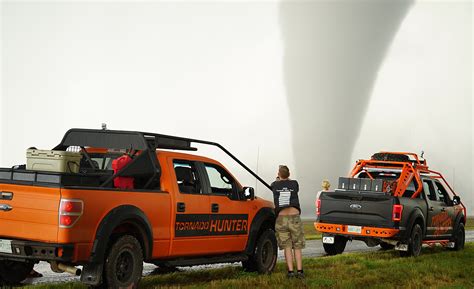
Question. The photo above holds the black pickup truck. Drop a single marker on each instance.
(395, 201)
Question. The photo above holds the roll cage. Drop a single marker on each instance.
(411, 168)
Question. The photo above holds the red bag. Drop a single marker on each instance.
(123, 183)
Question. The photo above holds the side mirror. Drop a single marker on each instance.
(456, 200)
(249, 193)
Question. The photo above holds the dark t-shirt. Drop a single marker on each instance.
(285, 195)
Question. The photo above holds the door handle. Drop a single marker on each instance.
(215, 208)
(443, 210)
(5, 207)
(181, 207)
(431, 209)
(6, 195)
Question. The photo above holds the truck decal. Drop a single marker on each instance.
(442, 222)
(214, 225)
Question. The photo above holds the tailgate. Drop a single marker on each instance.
(31, 213)
(362, 208)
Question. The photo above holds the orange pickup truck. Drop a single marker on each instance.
(133, 200)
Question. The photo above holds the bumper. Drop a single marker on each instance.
(364, 232)
(37, 251)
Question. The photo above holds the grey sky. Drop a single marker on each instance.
(307, 85)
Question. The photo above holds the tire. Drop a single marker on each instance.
(386, 246)
(123, 264)
(336, 248)
(414, 243)
(459, 237)
(14, 272)
(264, 257)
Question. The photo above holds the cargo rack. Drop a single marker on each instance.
(145, 163)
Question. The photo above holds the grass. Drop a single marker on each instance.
(310, 232)
(435, 268)
(346, 271)
(470, 223)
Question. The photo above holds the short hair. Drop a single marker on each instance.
(325, 184)
(284, 172)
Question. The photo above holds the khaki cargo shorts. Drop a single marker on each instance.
(289, 232)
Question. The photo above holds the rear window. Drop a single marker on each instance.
(411, 189)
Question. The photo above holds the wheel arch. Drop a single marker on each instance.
(264, 219)
(121, 220)
(458, 220)
(416, 217)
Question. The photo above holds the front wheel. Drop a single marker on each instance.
(13, 272)
(264, 257)
(459, 238)
(124, 263)
(336, 248)
(414, 243)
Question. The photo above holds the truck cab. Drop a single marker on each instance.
(133, 198)
(393, 200)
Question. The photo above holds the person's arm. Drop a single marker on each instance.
(297, 187)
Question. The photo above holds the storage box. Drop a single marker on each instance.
(365, 184)
(343, 183)
(53, 161)
(354, 184)
(377, 185)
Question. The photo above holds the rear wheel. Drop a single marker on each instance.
(336, 248)
(414, 243)
(13, 272)
(263, 260)
(124, 263)
(459, 238)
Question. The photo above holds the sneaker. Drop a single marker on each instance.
(300, 275)
(290, 274)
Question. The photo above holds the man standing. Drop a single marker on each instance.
(288, 227)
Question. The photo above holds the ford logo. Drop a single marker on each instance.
(355, 206)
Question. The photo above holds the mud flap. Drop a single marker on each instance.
(92, 274)
(401, 247)
(451, 245)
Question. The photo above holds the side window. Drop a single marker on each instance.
(187, 177)
(441, 193)
(221, 182)
(429, 190)
(410, 190)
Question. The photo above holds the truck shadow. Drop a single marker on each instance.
(184, 277)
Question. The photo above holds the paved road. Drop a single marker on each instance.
(314, 248)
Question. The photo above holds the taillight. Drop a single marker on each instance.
(70, 210)
(397, 212)
(318, 207)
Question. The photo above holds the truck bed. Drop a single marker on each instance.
(361, 208)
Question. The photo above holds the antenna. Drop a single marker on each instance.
(258, 157)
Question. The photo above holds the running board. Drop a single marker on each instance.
(184, 262)
(444, 243)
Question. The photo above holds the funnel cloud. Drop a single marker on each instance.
(332, 53)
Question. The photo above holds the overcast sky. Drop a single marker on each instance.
(314, 86)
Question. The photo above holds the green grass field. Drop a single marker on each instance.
(470, 223)
(310, 232)
(435, 268)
